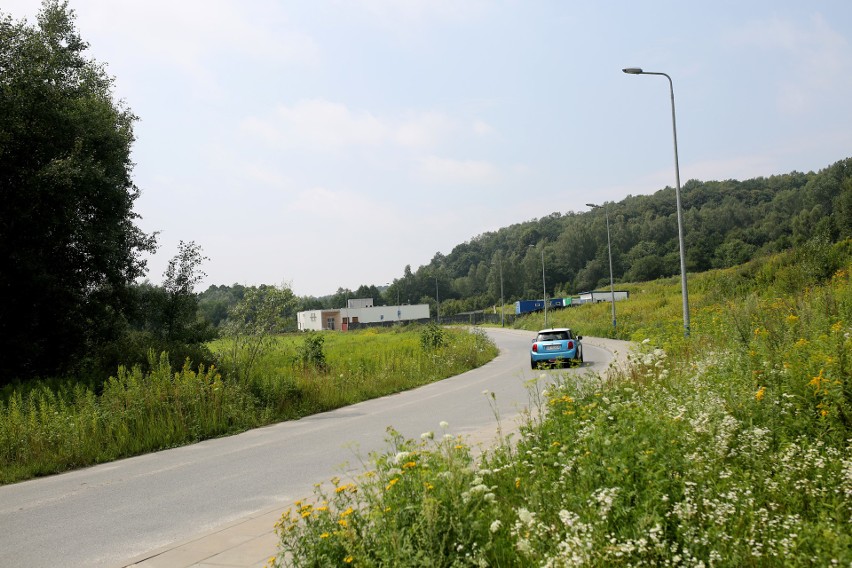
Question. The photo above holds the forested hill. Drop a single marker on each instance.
(725, 223)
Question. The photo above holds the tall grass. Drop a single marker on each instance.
(46, 428)
(730, 448)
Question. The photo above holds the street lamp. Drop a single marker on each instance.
(502, 302)
(543, 285)
(609, 248)
(638, 71)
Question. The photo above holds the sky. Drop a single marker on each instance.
(331, 143)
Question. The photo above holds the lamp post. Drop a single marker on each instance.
(502, 302)
(638, 71)
(543, 285)
(609, 249)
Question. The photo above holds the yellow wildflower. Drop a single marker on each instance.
(792, 318)
(837, 327)
(517, 483)
(759, 394)
(391, 483)
(817, 381)
(325, 535)
(347, 512)
(409, 465)
(348, 559)
(343, 523)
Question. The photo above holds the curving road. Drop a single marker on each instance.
(109, 514)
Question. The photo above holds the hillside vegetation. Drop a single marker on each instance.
(729, 448)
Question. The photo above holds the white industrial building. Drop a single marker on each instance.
(360, 310)
(603, 296)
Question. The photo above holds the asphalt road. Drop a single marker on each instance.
(109, 514)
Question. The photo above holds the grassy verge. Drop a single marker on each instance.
(47, 429)
(731, 448)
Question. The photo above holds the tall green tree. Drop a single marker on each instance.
(69, 248)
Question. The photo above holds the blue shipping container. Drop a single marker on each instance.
(528, 306)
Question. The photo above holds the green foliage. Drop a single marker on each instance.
(312, 354)
(68, 244)
(45, 430)
(432, 337)
(179, 321)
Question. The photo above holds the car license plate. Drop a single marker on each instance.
(553, 348)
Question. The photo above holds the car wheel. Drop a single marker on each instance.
(533, 364)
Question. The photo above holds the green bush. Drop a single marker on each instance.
(432, 337)
(312, 355)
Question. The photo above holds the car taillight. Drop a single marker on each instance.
(535, 347)
(570, 345)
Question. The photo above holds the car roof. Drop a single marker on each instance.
(552, 329)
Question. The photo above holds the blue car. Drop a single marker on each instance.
(556, 347)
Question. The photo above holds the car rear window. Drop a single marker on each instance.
(554, 336)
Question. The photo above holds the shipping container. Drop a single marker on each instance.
(528, 306)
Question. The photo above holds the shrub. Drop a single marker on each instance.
(432, 337)
(312, 355)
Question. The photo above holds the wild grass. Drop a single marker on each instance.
(730, 448)
(48, 428)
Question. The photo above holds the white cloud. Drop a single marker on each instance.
(444, 170)
(325, 125)
(341, 207)
(424, 130)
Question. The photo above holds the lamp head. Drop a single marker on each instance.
(592, 205)
(633, 70)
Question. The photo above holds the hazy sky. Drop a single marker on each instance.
(330, 143)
